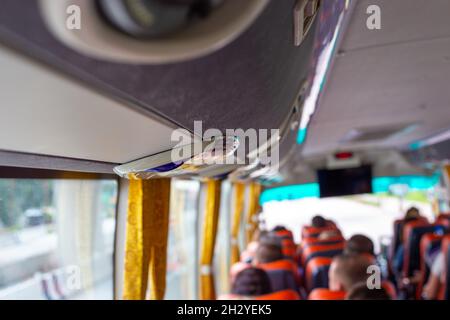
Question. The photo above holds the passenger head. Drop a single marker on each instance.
(359, 244)
(360, 291)
(268, 252)
(346, 270)
(318, 222)
(270, 238)
(412, 214)
(251, 282)
(259, 234)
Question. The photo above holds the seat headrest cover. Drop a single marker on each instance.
(280, 295)
(326, 294)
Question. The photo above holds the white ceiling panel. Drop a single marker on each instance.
(372, 84)
(401, 21)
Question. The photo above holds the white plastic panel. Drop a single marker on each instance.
(42, 112)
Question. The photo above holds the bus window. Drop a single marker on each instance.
(370, 214)
(182, 251)
(57, 238)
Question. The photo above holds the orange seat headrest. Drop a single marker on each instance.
(308, 231)
(284, 264)
(445, 289)
(411, 256)
(320, 248)
(326, 294)
(390, 289)
(313, 241)
(280, 295)
(285, 234)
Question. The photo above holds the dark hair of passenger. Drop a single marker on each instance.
(318, 222)
(360, 291)
(270, 238)
(278, 228)
(351, 269)
(260, 235)
(412, 214)
(268, 252)
(359, 244)
(251, 282)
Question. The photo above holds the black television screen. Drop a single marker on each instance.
(342, 182)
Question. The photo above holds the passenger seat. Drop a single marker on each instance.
(316, 275)
(326, 294)
(445, 291)
(283, 274)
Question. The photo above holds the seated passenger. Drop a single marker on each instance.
(281, 279)
(360, 291)
(250, 283)
(346, 270)
(249, 253)
(412, 214)
(318, 222)
(435, 281)
(268, 252)
(359, 244)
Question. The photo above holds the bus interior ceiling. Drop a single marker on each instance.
(85, 124)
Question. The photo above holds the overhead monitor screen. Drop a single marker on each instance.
(342, 182)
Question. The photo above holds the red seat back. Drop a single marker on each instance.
(413, 232)
(390, 289)
(444, 293)
(316, 274)
(306, 242)
(284, 264)
(289, 248)
(326, 294)
(428, 241)
(280, 295)
(285, 234)
(321, 251)
(310, 232)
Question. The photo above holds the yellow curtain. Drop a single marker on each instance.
(210, 222)
(447, 171)
(146, 240)
(239, 192)
(253, 210)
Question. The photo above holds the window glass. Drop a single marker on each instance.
(370, 214)
(57, 238)
(182, 257)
